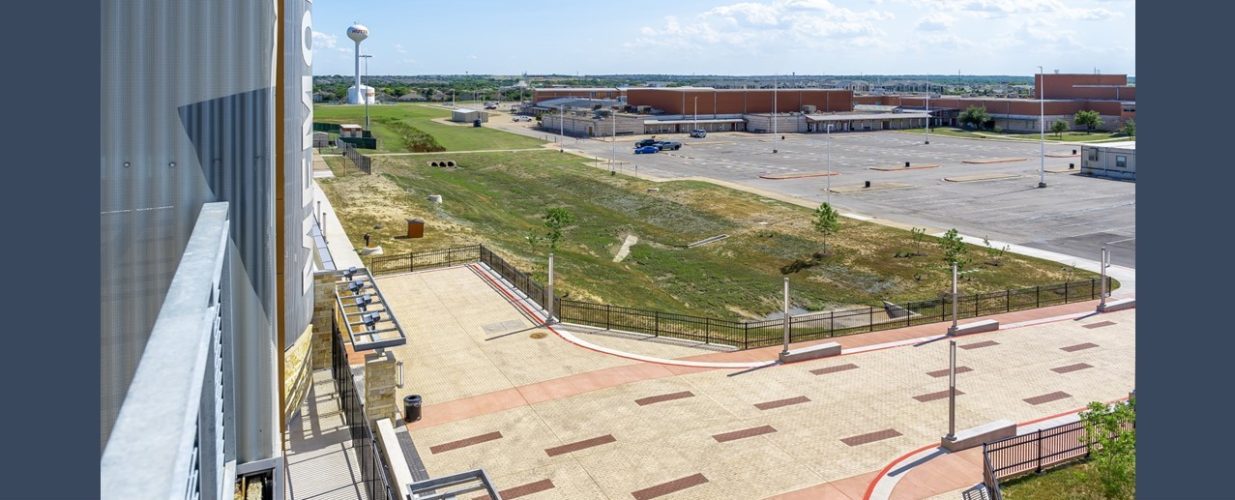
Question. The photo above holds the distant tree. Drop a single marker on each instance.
(1129, 128)
(556, 219)
(1089, 119)
(1059, 127)
(974, 116)
(954, 249)
(826, 222)
(1111, 434)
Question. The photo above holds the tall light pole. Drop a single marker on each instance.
(561, 122)
(928, 115)
(775, 88)
(829, 160)
(1041, 127)
(785, 320)
(613, 141)
(952, 364)
(696, 124)
(1104, 263)
(365, 94)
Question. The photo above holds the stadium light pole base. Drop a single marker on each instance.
(1041, 184)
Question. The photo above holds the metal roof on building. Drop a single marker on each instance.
(864, 116)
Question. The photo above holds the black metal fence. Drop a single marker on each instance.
(362, 162)
(425, 260)
(1019, 455)
(757, 333)
(374, 467)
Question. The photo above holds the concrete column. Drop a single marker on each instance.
(379, 385)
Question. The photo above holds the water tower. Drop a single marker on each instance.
(358, 94)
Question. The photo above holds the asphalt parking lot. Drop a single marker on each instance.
(1074, 215)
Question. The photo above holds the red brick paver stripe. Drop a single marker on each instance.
(871, 437)
(664, 397)
(579, 445)
(454, 445)
(833, 369)
(1099, 324)
(1071, 368)
(522, 490)
(1078, 347)
(979, 345)
(935, 395)
(673, 486)
(768, 405)
(1046, 398)
(944, 372)
(744, 433)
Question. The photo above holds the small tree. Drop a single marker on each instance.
(556, 219)
(954, 249)
(975, 116)
(1111, 433)
(826, 223)
(1089, 119)
(1058, 128)
(917, 234)
(1129, 128)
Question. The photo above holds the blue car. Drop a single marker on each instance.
(647, 150)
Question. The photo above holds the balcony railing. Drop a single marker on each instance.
(174, 437)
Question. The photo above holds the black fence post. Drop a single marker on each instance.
(976, 305)
(707, 330)
(871, 318)
(832, 323)
(1093, 288)
(411, 262)
(943, 308)
(656, 325)
(450, 256)
(1037, 293)
(908, 317)
(1065, 292)
(745, 335)
(1039, 452)
(608, 314)
(1007, 300)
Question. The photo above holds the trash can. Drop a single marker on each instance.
(415, 228)
(411, 408)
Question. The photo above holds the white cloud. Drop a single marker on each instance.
(753, 26)
(324, 40)
(399, 48)
(937, 21)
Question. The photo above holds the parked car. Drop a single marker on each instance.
(645, 142)
(521, 118)
(670, 145)
(644, 150)
(698, 133)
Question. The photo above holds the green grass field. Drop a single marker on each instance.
(1077, 481)
(1072, 136)
(499, 198)
(396, 127)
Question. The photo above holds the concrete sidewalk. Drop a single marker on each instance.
(341, 249)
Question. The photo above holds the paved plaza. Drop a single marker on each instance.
(1075, 215)
(547, 418)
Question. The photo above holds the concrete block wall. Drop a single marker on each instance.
(379, 385)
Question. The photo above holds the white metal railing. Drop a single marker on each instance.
(173, 438)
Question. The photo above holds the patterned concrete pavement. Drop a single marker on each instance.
(548, 419)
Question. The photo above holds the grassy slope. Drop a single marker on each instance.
(452, 137)
(498, 198)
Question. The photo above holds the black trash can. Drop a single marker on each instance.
(411, 408)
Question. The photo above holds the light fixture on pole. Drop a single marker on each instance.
(952, 364)
(785, 321)
(1042, 127)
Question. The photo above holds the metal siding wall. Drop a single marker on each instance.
(297, 172)
(169, 67)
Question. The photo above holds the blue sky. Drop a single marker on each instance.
(729, 37)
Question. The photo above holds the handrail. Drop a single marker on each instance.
(168, 440)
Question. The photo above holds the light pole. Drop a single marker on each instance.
(561, 121)
(829, 160)
(952, 364)
(775, 88)
(1104, 263)
(696, 124)
(928, 115)
(1041, 127)
(365, 94)
(613, 141)
(785, 321)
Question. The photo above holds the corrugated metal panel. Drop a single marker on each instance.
(186, 119)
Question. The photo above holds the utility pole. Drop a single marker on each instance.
(1042, 127)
